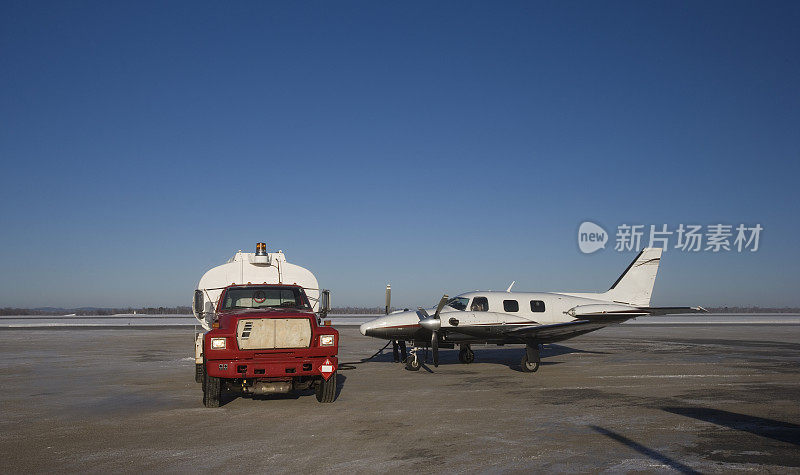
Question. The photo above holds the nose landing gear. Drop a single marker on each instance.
(412, 362)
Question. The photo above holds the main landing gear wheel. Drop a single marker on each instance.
(326, 389)
(412, 363)
(212, 390)
(529, 366)
(466, 355)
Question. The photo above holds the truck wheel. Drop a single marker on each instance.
(212, 390)
(199, 372)
(326, 390)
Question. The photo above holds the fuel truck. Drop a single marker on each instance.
(263, 330)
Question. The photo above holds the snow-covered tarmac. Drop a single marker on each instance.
(629, 398)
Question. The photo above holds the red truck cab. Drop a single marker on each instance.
(266, 339)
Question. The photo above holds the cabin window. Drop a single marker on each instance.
(537, 306)
(510, 305)
(479, 304)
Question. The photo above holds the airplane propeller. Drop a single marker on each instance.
(388, 298)
(433, 323)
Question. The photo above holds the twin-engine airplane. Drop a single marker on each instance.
(523, 317)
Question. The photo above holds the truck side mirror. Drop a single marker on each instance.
(199, 304)
(326, 302)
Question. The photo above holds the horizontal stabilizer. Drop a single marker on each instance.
(597, 312)
(594, 310)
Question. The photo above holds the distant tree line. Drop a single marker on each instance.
(89, 311)
(753, 309)
(358, 310)
(181, 310)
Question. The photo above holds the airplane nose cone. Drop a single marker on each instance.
(363, 328)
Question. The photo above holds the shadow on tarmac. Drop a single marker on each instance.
(495, 355)
(770, 428)
(653, 454)
(230, 396)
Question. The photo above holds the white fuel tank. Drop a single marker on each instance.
(251, 268)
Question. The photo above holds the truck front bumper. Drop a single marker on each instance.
(281, 369)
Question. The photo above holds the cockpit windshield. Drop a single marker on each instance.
(458, 303)
(265, 297)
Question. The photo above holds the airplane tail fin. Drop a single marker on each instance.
(635, 285)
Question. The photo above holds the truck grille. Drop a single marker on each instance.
(272, 333)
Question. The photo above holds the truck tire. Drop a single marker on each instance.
(326, 390)
(199, 372)
(212, 390)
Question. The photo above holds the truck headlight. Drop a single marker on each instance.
(218, 343)
(326, 340)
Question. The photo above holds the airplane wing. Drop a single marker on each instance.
(592, 319)
(557, 331)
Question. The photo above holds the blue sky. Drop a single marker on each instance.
(439, 146)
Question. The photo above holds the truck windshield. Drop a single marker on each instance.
(265, 297)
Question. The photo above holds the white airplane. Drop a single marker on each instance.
(530, 318)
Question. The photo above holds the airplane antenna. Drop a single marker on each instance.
(512, 285)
